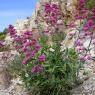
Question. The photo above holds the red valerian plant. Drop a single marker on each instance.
(52, 14)
(27, 45)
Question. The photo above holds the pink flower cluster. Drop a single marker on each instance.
(42, 58)
(86, 58)
(84, 44)
(52, 13)
(37, 69)
(71, 34)
(27, 45)
(12, 31)
(81, 12)
(89, 26)
(86, 31)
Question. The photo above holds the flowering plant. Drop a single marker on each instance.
(47, 68)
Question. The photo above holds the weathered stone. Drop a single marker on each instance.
(87, 88)
(4, 78)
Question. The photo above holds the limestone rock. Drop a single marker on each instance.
(87, 88)
(22, 25)
(4, 79)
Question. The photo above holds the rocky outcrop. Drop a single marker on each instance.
(29, 23)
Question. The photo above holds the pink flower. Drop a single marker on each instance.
(1, 44)
(26, 49)
(53, 20)
(82, 58)
(42, 58)
(80, 48)
(11, 26)
(93, 41)
(79, 42)
(27, 54)
(71, 25)
(17, 39)
(47, 8)
(37, 69)
(34, 41)
(27, 44)
(88, 33)
(37, 47)
(12, 31)
(25, 60)
(90, 23)
(86, 58)
(72, 33)
(28, 33)
(55, 6)
(52, 13)
(82, 1)
(33, 53)
(85, 28)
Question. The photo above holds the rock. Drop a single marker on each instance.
(16, 88)
(22, 25)
(4, 79)
(9, 86)
(4, 75)
(87, 88)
